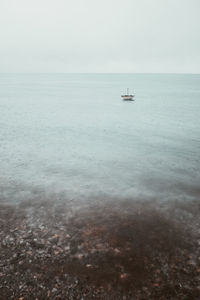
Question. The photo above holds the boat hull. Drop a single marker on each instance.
(128, 98)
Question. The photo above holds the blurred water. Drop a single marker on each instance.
(72, 134)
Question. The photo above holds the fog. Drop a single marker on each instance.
(100, 36)
(99, 197)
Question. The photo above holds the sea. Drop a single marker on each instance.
(71, 136)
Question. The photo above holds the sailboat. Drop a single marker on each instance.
(128, 97)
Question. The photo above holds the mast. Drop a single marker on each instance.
(127, 91)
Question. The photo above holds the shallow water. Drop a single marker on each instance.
(72, 135)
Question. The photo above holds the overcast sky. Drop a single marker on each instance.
(100, 36)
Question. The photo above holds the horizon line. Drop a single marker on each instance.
(133, 73)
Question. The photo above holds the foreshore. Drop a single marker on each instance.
(114, 250)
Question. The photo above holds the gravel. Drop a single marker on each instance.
(114, 250)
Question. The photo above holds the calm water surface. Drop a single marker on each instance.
(72, 135)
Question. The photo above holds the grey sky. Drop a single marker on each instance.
(100, 36)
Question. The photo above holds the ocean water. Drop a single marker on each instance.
(71, 135)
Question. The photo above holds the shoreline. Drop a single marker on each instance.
(114, 250)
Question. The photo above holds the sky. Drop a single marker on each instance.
(129, 36)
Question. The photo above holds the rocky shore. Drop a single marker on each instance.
(116, 250)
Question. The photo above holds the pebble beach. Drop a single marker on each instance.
(118, 250)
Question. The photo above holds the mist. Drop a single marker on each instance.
(99, 192)
(107, 36)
